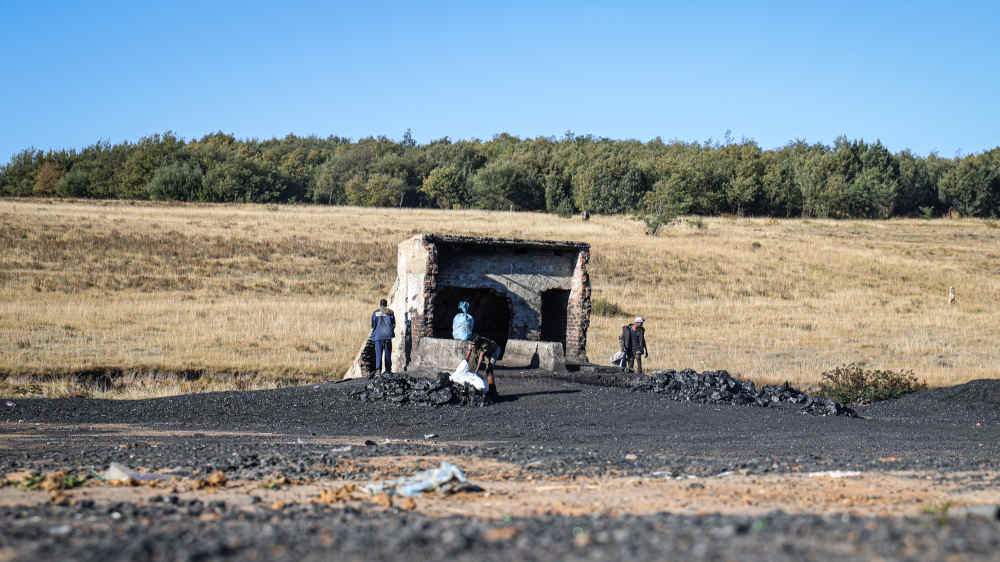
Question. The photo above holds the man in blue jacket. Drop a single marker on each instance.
(383, 330)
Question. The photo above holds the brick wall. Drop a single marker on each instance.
(578, 321)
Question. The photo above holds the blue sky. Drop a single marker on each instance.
(917, 75)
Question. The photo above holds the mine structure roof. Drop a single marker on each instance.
(486, 241)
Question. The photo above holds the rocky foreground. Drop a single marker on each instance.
(565, 469)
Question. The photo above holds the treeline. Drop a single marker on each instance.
(574, 173)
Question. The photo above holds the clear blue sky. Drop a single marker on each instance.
(918, 75)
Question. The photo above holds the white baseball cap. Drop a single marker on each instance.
(638, 320)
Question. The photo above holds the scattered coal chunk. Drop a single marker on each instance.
(827, 407)
(719, 387)
(422, 391)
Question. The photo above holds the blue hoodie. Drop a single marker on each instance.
(461, 326)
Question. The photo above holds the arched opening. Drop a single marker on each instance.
(490, 310)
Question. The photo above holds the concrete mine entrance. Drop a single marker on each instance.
(490, 309)
(530, 296)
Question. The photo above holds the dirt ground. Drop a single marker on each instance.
(505, 492)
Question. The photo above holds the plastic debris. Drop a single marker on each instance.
(118, 471)
(446, 479)
(462, 375)
(618, 359)
(430, 435)
(836, 474)
(10, 404)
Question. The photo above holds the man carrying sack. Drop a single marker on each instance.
(633, 343)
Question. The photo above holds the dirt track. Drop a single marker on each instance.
(567, 470)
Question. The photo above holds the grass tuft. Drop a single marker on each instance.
(602, 307)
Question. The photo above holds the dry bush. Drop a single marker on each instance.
(285, 292)
(854, 384)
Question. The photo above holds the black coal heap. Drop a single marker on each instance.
(423, 391)
(718, 387)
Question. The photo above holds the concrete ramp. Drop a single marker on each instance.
(439, 353)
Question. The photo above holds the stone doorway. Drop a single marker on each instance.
(555, 312)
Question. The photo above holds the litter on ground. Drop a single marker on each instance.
(446, 479)
(118, 471)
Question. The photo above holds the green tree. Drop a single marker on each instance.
(238, 178)
(327, 187)
(384, 190)
(811, 173)
(875, 188)
(47, 177)
(446, 187)
(75, 183)
(17, 177)
(972, 188)
(356, 191)
(917, 184)
(502, 184)
(179, 181)
(146, 156)
(611, 186)
(558, 192)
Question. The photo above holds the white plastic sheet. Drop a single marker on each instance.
(445, 478)
(462, 375)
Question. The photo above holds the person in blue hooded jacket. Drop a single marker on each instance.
(383, 330)
(463, 323)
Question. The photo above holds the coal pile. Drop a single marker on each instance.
(718, 387)
(422, 391)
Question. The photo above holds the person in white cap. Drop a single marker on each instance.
(633, 343)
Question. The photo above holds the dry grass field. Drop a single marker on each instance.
(254, 296)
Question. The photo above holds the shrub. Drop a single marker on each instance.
(853, 384)
(602, 307)
(76, 183)
(179, 181)
(565, 209)
(655, 222)
(610, 186)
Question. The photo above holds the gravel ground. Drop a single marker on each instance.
(316, 532)
(547, 427)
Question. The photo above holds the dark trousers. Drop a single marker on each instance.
(634, 359)
(383, 355)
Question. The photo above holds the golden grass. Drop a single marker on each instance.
(282, 293)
